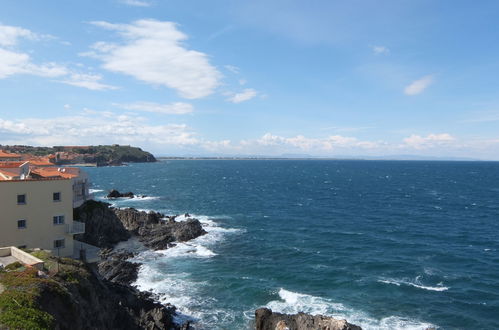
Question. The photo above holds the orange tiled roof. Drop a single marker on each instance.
(52, 172)
(11, 164)
(10, 172)
(39, 162)
(4, 154)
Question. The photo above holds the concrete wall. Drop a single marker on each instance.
(39, 210)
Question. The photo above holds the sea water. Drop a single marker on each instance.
(384, 244)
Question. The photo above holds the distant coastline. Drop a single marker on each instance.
(388, 158)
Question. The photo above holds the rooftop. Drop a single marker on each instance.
(4, 154)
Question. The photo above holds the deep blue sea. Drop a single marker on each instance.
(384, 244)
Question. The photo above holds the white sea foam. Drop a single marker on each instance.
(177, 287)
(134, 198)
(93, 191)
(293, 302)
(416, 283)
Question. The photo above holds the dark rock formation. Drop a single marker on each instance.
(265, 319)
(78, 298)
(115, 267)
(160, 237)
(106, 226)
(103, 228)
(116, 194)
(133, 219)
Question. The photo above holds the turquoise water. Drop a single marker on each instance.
(387, 245)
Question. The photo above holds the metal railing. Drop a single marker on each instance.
(75, 228)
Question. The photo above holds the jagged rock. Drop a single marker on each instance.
(102, 227)
(265, 319)
(116, 194)
(78, 298)
(160, 237)
(117, 269)
(133, 219)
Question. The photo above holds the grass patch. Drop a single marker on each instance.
(18, 303)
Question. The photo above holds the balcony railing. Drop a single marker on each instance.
(75, 228)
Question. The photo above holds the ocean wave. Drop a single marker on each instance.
(293, 302)
(93, 191)
(134, 198)
(178, 288)
(416, 284)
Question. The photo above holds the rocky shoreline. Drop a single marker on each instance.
(106, 226)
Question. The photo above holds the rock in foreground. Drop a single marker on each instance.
(265, 319)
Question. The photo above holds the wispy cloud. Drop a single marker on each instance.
(380, 50)
(177, 108)
(243, 96)
(429, 141)
(152, 52)
(418, 86)
(136, 3)
(89, 81)
(12, 62)
(232, 68)
(94, 127)
(11, 35)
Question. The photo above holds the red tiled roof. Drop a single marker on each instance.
(11, 172)
(11, 164)
(4, 154)
(51, 172)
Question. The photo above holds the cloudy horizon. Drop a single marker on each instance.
(335, 79)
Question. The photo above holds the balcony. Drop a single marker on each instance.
(75, 228)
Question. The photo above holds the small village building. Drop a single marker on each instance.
(38, 213)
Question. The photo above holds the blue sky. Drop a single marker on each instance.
(322, 78)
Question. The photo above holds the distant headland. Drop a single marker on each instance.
(101, 155)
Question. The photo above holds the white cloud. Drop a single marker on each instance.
(152, 51)
(177, 108)
(315, 144)
(418, 86)
(136, 3)
(245, 95)
(12, 62)
(89, 81)
(10, 35)
(232, 68)
(429, 141)
(94, 127)
(380, 50)
(15, 62)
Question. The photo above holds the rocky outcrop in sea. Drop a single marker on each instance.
(106, 226)
(116, 194)
(265, 319)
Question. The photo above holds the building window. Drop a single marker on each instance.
(58, 220)
(21, 199)
(56, 196)
(59, 243)
(21, 224)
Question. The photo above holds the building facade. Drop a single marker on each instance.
(38, 213)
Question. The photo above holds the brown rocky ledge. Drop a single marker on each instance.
(265, 319)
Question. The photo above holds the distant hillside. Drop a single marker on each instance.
(97, 155)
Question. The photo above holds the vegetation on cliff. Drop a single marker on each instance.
(101, 155)
(72, 295)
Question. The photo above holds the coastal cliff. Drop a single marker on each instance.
(70, 294)
(75, 296)
(102, 155)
